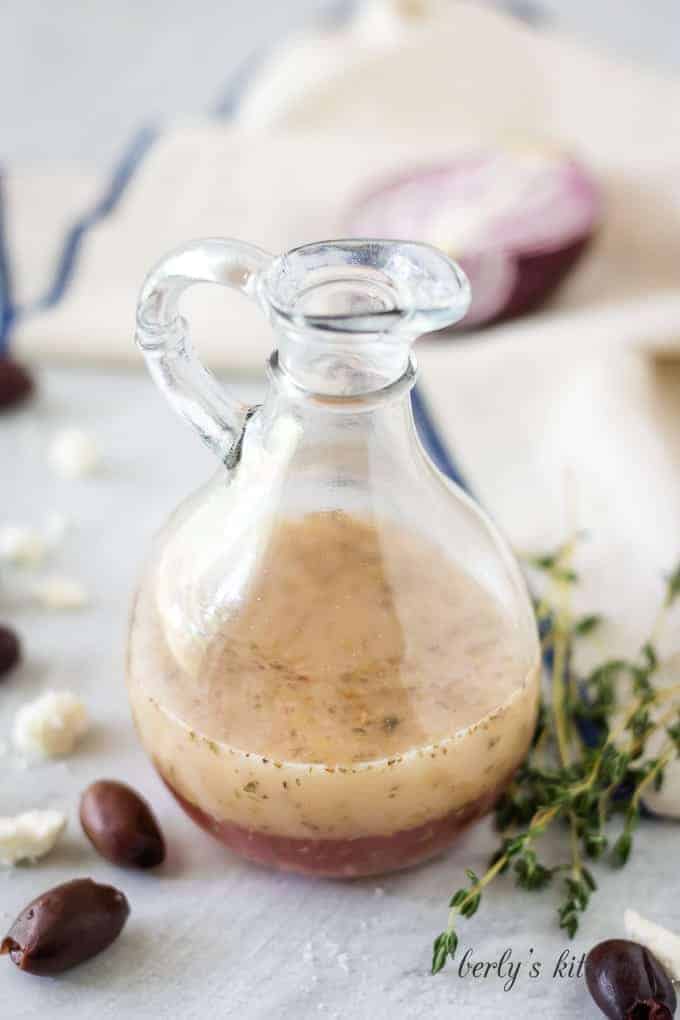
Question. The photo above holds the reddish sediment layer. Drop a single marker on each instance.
(344, 858)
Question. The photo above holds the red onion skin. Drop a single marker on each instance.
(539, 276)
(535, 270)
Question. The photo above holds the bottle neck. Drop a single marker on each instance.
(348, 366)
(340, 385)
(332, 436)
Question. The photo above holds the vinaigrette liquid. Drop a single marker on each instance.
(348, 712)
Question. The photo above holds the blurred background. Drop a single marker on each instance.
(79, 75)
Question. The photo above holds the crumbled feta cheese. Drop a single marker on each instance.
(343, 962)
(29, 547)
(21, 545)
(57, 592)
(664, 944)
(50, 725)
(73, 453)
(29, 836)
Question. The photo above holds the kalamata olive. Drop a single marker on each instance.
(628, 983)
(16, 383)
(66, 926)
(10, 650)
(121, 826)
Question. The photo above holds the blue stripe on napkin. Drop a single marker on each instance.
(73, 242)
(122, 174)
(227, 105)
(5, 279)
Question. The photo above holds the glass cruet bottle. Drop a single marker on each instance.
(333, 660)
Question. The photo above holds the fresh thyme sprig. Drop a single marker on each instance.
(587, 762)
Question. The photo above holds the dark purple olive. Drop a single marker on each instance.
(121, 826)
(628, 983)
(10, 650)
(66, 926)
(16, 384)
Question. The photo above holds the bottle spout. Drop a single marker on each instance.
(366, 286)
(347, 311)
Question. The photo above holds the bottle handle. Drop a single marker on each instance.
(163, 337)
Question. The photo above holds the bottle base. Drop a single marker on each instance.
(343, 858)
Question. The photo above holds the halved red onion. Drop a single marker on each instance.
(516, 220)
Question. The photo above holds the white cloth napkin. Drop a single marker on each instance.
(562, 428)
(417, 69)
(329, 113)
(280, 188)
(199, 180)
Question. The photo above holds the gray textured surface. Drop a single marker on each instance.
(210, 934)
